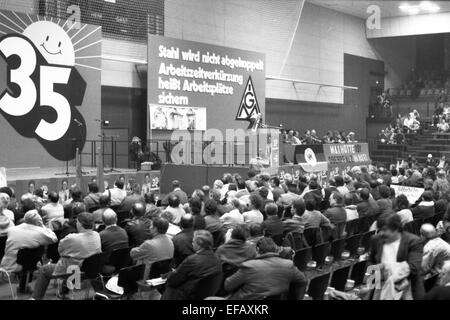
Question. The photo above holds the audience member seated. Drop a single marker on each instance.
(291, 194)
(425, 208)
(295, 222)
(435, 251)
(254, 215)
(176, 190)
(52, 210)
(313, 218)
(234, 217)
(4, 202)
(403, 209)
(350, 207)
(158, 248)
(30, 234)
(241, 189)
(272, 225)
(265, 276)
(336, 213)
(196, 206)
(364, 206)
(116, 194)
(441, 183)
(384, 203)
(212, 220)
(129, 200)
(138, 228)
(237, 249)
(92, 200)
(104, 203)
(182, 242)
(442, 290)
(73, 249)
(442, 164)
(312, 191)
(182, 283)
(340, 185)
(256, 232)
(277, 191)
(175, 208)
(173, 229)
(75, 195)
(391, 246)
(112, 237)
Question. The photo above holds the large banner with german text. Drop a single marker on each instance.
(228, 83)
(346, 155)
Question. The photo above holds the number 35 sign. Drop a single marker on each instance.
(43, 86)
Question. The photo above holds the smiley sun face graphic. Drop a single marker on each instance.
(52, 42)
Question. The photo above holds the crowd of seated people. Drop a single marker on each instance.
(310, 137)
(240, 234)
(441, 117)
(395, 132)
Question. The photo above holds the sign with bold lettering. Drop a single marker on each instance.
(413, 194)
(343, 155)
(229, 83)
(49, 89)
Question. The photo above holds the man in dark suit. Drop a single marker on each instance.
(391, 244)
(363, 207)
(425, 209)
(112, 237)
(266, 275)
(176, 189)
(183, 240)
(158, 248)
(336, 213)
(138, 228)
(272, 225)
(182, 283)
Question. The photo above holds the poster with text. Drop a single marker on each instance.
(50, 72)
(177, 118)
(228, 82)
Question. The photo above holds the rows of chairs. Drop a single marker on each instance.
(317, 247)
(414, 226)
(333, 251)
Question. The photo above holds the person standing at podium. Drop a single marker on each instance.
(255, 121)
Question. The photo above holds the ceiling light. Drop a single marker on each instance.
(426, 6)
(413, 10)
(434, 9)
(404, 7)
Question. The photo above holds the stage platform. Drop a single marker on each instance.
(18, 178)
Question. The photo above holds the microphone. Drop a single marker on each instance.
(78, 122)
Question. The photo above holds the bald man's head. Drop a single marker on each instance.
(187, 221)
(428, 231)
(138, 209)
(109, 217)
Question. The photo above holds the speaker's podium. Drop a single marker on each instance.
(267, 140)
